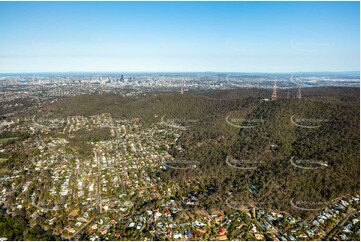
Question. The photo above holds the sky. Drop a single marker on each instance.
(179, 36)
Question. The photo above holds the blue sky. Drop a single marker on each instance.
(179, 36)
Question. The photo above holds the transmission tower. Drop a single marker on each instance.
(274, 94)
(182, 89)
(299, 96)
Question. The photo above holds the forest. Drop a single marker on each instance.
(308, 165)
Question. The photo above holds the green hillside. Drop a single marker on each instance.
(271, 144)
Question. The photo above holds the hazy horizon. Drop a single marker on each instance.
(180, 72)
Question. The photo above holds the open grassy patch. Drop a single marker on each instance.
(3, 170)
(3, 160)
(3, 140)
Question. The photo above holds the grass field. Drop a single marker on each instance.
(2, 160)
(3, 170)
(7, 139)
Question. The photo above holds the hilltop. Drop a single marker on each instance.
(210, 139)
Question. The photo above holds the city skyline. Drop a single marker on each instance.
(179, 37)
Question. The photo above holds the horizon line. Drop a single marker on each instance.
(155, 72)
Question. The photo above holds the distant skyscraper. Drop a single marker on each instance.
(274, 94)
